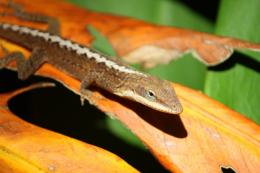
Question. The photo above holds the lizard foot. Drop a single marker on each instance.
(85, 95)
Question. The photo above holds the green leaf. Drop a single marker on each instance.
(171, 13)
(122, 132)
(100, 43)
(187, 70)
(236, 83)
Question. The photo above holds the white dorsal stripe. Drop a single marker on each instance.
(71, 46)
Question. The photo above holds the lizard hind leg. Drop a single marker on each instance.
(25, 67)
(18, 11)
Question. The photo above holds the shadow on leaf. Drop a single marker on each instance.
(168, 123)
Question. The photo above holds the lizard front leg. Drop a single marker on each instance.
(84, 91)
(25, 67)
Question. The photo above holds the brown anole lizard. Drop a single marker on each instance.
(84, 64)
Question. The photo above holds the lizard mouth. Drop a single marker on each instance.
(173, 109)
(176, 108)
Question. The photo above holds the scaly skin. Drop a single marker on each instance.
(88, 66)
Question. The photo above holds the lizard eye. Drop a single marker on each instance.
(150, 95)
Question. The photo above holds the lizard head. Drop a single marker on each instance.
(153, 92)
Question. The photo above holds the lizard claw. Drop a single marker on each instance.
(84, 95)
(82, 100)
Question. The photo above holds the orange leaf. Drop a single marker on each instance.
(204, 138)
(27, 148)
(133, 39)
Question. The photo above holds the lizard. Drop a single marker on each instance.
(87, 65)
